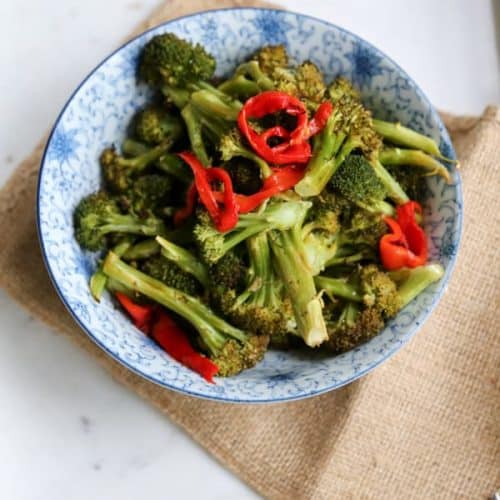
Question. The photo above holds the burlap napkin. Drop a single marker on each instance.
(426, 424)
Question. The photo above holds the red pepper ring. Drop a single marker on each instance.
(228, 215)
(224, 218)
(297, 150)
(393, 246)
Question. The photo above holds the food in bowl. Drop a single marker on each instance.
(306, 234)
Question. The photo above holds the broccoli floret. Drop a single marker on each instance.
(169, 59)
(231, 348)
(356, 181)
(213, 244)
(119, 172)
(271, 57)
(342, 88)
(229, 272)
(148, 195)
(261, 308)
(184, 259)
(98, 215)
(310, 82)
(352, 327)
(168, 272)
(231, 146)
(379, 291)
(153, 125)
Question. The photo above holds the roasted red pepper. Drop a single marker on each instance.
(142, 315)
(183, 213)
(406, 245)
(225, 217)
(280, 180)
(176, 343)
(295, 148)
(320, 118)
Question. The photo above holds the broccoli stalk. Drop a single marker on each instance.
(99, 280)
(230, 348)
(280, 215)
(290, 263)
(415, 158)
(98, 215)
(172, 165)
(396, 133)
(411, 282)
(140, 251)
(188, 262)
(338, 287)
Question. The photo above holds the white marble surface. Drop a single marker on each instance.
(68, 430)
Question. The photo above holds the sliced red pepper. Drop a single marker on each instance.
(280, 180)
(175, 342)
(406, 245)
(142, 315)
(317, 124)
(297, 148)
(224, 217)
(415, 235)
(183, 213)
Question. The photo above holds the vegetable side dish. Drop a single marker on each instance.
(268, 209)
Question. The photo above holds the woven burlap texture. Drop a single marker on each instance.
(426, 424)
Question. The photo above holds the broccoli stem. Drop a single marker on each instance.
(411, 282)
(211, 105)
(180, 97)
(252, 69)
(239, 85)
(323, 163)
(142, 250)
(139, 163)
(172, 165)
(337, 287)
(394, 190)
(350, 259)
(129, 224)
(98, 280)
(193, 127)
(212, 329)
(184, 259)
(403, 136)
(132, 148)
(291, 266)
(415, 158)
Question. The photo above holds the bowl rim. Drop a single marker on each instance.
(409, 334)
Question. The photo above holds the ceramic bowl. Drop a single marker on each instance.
(97, 114)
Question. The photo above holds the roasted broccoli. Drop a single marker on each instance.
(229, 347)
(98, 215)
(213, 244)
(356, 181)
(153, 125)
(119, 172)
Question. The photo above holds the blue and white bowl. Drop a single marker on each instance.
(97, 114)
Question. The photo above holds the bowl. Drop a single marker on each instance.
(97, 114)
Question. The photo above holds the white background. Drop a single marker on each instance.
(67, 430)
